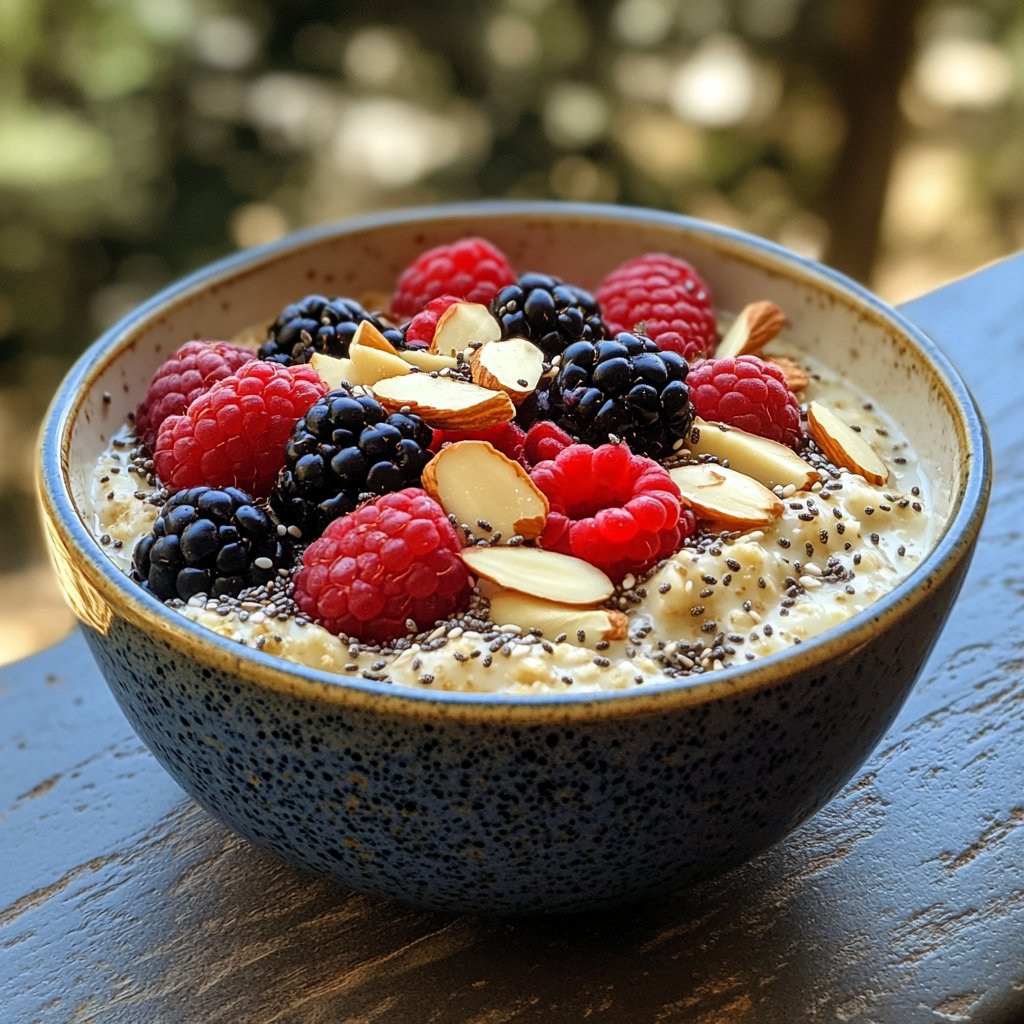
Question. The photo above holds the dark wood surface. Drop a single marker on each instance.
(902, 901)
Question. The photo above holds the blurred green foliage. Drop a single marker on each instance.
(142, 138)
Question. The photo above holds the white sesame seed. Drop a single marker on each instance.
(294, 531)
(810, 582)
(455, 633)
(510, 628)
(717, 665)
(437, 633)
(628, 581)
(816, 486)
(281, 529)
(263, 562)
(812, 570)
(688, 662)
(789, 490)
(754, 616)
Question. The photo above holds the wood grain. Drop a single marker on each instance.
(902, 901)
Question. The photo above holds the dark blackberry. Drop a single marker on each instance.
(317, 324)
(624, 386)
(342, 449)
(549, 312)
(209, 541)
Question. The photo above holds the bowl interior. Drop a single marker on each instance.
(842, 326)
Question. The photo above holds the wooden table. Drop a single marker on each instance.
(902, 901)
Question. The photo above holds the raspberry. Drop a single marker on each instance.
(181, 379)
(234, 434)
(508, 438)
(667, 295)
(616, 510)
(393, 559)
(544, 440)
(748, 393)
(421, 328)
(471, 268)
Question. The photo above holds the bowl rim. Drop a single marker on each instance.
(66, 527)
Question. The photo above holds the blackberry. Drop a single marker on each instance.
(549, 312)
(209, 541)
(624, 386)
(343, 449)
(317, 324)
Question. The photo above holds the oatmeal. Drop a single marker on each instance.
(650, 544)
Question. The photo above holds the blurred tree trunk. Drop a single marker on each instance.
(875, 41)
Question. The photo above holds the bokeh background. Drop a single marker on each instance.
(140, 139)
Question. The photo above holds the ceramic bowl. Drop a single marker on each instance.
(513, 804)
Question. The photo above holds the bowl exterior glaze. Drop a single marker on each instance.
(483, 803)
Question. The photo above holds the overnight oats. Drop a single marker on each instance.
(506, 483)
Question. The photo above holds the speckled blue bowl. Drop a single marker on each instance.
(512, 804)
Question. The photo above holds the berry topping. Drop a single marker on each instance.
(234, 434)
(342, 451)
(508, 438)
(748, 393)
(317, 324)
(616, 510)
(549, 312)
(544, 440)
(207, 541)
(394, 559)
(181, 379)
(471, 269)
(419, 332)
(625, 387)
(668, 297)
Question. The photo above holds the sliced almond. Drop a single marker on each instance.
(768, 462)
(797, 378)
(756, 325)
(364, 366)
(428, 361)
(476, 483)
(444, 403)
(333, 372)
(553, 618)
(725, 497)
(462, 324)
(512, 366)
(373, 364)
(368, 335)
(540, 573)
(843, 446)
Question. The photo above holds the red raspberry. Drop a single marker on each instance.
(616, 510)
(748, 393)
(471, 268)
(544, 441)
(423, 325)
(668, 296)
(392, 559)
(234, 434)
(508, 438)
(182, 378)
